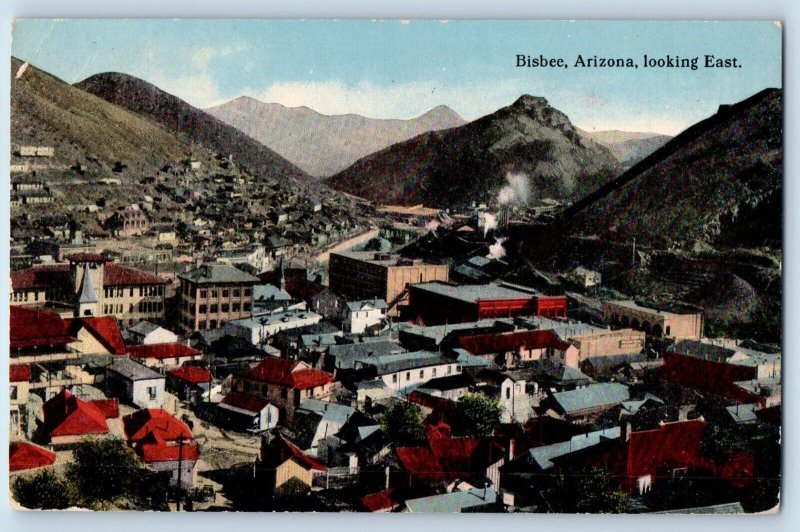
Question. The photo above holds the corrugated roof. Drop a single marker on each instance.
(592, 396)
(133, 370)
(543, 456)
(472, 293)
(386, 364)
(454, 502)
(366, 304)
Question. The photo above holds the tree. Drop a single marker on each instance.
(45, 490)
(402, 422)
(104, 470)
(584, 490)
(477, 415)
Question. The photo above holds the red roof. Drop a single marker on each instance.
(448, 458)
(383, 500)
(161, 351)
(485, 344)
(20, 373)
(36, 328)
(156, 422)
(66, 415)
(58, 275)
(87, 257)
(420, 463)
(105, 330)
(109, 407)
(168, 452)
(245, 402)
(191, 374)
(280, 450)
(288, 373)
(23, 455)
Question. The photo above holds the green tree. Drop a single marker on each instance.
(584, 490)
(403, 422)
(477, 415)
(104, 470)
(45, 490)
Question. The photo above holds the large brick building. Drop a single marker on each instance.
(91, 285)
(654, 321)
(212, 294)
(367, 274)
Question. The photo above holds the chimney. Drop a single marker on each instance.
(511, 449)
(625, 430)
(387, 477)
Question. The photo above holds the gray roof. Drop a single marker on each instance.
(261, 320)
(743, 413)
(543, 456)
(144, 328)
(702, 350)
(328, 411)
(454, 502)
(87, 288)
(471, 293)
(354, 306)
(133, 370)
(466, 359)
(450, 382)
(215, 273)
(592, 396)
(266, 292)
(388, 364)
(345, 355)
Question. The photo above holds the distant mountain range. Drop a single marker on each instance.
(719, 181)
(627, 146)
(469, 163)
(323, 145)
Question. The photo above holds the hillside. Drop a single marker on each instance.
(192, 125)
(719, 182)
(323, 145)
(469, 163)
(628, 147)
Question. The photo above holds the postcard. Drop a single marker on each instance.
(396, 266)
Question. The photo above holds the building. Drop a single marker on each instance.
(367, 274)
(400, 372)
(472, 500)
(260, 328)
(248, 413)
(284, 383)
(583, 403)
(213, 294)
(436, 303)
(19, 386)
(164, 443)
(91, 285)
(24, 456)
(585, 278)
(520, 347)
(358, 316)
(654, 322)
(146, 333)
(190, 383)
(132, 221)
(281, 461)
(135, 383)
(68, 420)
(164, 356)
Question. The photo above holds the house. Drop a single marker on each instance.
(190, 383)
(260, 328)
(655, 322)
(327, 303)
(146, 333)
(513, 393)
(403, 371)
(583, 403)
(164, 356)
(472, 500)
(96, 336)
(248, 413)
(131, 221)
(19, 383)
(344, 356)
(212, 294)
(585, 278)
(314, 420)
(280, 461)
(24, 456)
(284, 383)
(67, 419)
(164, 443)
(452, 387)
(358, 316)
(135, 383)
(520, 347)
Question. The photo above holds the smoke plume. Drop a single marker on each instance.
(496, 250)
(518, 189)
(489, 222)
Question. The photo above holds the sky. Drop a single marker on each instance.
(401, 69)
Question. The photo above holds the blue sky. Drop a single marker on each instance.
(400, 69)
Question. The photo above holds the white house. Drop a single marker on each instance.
(358, 315)
(401, 372)
(135, 383)
(260, 328)
(147, 333)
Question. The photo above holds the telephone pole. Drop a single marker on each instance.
(180, 470)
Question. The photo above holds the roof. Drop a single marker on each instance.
(87, 257)
(454, 502)
(366, 304)
(592, 396)
(485, 344)
(279, 450)
(144, 328)
(161, 351)
(702, 350)
(450, 382)
(19, 373)
(245, 402)
(472, 293)
(345, 355)
(66, 415)
(116, 275)
(191, 374)
(168, 452)
(23, 455)
(87, 294)
(328, 411)
(267, 292)
(744, 413)
(286, 317)
(217, 273)
(383, 500)
(54, 275)
(719, 509)
(157, 421)
(387, 364)
(133, 370)
(36, 328)
(104, 329)
(288, 373)
(543, 456)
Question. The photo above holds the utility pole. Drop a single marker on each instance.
(180, 469)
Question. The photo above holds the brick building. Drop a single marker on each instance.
(654, 321)
(212, 294)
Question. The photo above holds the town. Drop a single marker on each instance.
(329, 354)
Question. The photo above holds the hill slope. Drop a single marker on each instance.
(320, 144)
(189, 123)
(469, 163)
(718, 182)
(628, 147)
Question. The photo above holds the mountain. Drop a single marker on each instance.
(191, 124)
(719, 182)
(323, 145)
(470, 163)
(628, 147)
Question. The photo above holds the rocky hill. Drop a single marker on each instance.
(323, 145)
(719, 182)
(192, 125)
(629, 147)
(470, 163)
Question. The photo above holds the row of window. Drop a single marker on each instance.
(214, 293)
(119, 291)
(224, 307)
(19, 297)
(422, 374)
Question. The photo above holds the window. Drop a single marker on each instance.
(247, 307)
(13, 392)
(224, 293)
(202, 325)
(284, 393)
(131, 308)
(449, 370)
(212, 324)
(213, 293)
(236, 293)
(130, 292)
(203, 294)
(667, 331)
(203, 309)
(433, 372)
(214, 308)
(408, 375)
(225, 307)
(236, 307)
(151, 392)
(394, 378)
(422, 374)
(508, 393)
